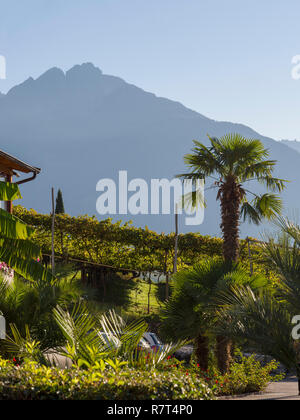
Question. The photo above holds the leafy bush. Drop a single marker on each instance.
(31, 304)
(34, 382)
(89, 338)
(246, 375)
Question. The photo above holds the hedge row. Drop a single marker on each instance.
(33, 382)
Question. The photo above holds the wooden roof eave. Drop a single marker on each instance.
(9, 165)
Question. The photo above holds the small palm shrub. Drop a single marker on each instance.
(89, 338)
(192, 311)
(30, 304)
(91, 341)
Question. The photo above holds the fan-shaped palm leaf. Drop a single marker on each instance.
(261, 320)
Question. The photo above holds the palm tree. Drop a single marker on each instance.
(230, 162)
(191, 311)
(16, 249)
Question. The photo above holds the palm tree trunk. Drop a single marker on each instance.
(224, 353)
(230, 196)
(202, 351)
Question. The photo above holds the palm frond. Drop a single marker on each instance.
(283, 256)
(260, 169)
(9, 192)
(79, 330)
(267, 206)
(261, 320)
(29, 269)
(249, 213)
(128, 336)
(24, 347)
(203, 160)
(21, 248)
(238, 152)
(194, 199)
(273, 184)
(290, 228)
(13, 228)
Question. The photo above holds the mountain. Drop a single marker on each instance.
(294, 144)
(82, 125)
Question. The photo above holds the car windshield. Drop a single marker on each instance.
(144, 343)
(155, 339)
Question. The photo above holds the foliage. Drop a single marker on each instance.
(232, 162)
(284, 258)
(16, 249)
(33, 382)
(31, 303)
(93, 337)
(265, 318)
(60, 208)
(125, 246)
(24, 348)
(246, 375)
(9, 191)
(191, 309)
(245, 160)
(6, 272)
(262, 320)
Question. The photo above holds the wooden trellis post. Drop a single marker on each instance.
(250, 256)
(52, 232)
(176, 241)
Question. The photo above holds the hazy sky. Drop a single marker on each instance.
(229, 60)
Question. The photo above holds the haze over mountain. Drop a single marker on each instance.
(81, 126)
(294, 144)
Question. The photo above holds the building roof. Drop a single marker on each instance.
(9, 165)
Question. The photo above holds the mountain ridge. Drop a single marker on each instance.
(293, 144)
(82, 125)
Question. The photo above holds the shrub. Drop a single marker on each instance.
(33, 382)
(246, 375)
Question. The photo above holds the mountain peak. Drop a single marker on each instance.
(52, 73)
(84, 70)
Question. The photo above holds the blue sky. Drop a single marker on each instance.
(229, 60)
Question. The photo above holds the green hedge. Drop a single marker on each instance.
(33, 382)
